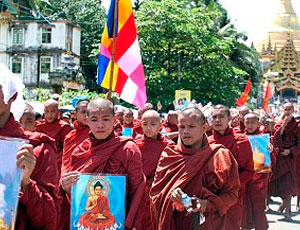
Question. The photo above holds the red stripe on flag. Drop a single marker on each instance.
(126, 37)
(121, 80)
(244, 97)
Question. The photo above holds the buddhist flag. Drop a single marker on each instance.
(128, 74)
(267, 96)
(243, 99)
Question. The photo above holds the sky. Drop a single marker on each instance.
(254, 16)
(250, 16)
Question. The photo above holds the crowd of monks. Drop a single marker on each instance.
(212, 163)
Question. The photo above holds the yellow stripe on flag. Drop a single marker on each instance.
(125, 11)
(105, 82)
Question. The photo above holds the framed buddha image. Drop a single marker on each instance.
(10, 180)
(261, 154)
(98, 202)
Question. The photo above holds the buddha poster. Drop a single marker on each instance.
(98, 203)
(261, 153)
(10, 179)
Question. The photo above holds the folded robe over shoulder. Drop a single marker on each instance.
(212, 166)
(240, 147)
(284, 177)
(38, 207)
(72, 140)
(114, 155)
(151, 150)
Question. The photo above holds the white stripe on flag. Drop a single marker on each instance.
(129, 91)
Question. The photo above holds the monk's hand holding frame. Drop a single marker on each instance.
(198, 204)
(176, 195)
(68, 180)
(26, 161)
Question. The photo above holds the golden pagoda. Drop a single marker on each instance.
(280, 53)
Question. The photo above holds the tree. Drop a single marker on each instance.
(183, 49)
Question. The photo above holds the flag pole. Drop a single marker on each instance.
(113, 51)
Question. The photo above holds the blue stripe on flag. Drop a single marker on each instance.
(110, 20)
(102, 67)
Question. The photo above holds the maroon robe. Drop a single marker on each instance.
(57, 130)
(240, 147)
(38, 208)
(284, 178)
(117, 156)
(151, 150)
(118, 127)
(212, 166)
(240, 128)
(169, 128)
(137, 129)
(72, 140)
(255, 200)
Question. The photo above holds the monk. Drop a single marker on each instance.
(138, 125)
(254, 215)
(243, 110)
(105, 152)
(28, 119)
(37, 208)
(287, 139)
(77, 135)
(54, 127)
(240, 146)
(151, 144)
(207, 172)
(170, 126)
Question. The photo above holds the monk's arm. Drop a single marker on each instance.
(41, 195)
(295, 150)
(226, 172)
(64, 132)
(245, 162)
(136, 185)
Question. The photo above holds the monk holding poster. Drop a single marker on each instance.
(240, 147)
(208, 173)
(151, 144)
(105, 152)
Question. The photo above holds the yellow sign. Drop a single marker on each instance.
(183, 94)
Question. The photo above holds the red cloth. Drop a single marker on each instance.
(117, 156)
(72, 140)
(255, 200)
(240, 146)
(244, 97)
(57, 130)
(137, 129)
(183, 167)
(170, 128)
(151, 150)
(118, 128)
(38, 207)
(284, 178)
(240, 128)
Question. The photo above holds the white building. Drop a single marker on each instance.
(34, 48)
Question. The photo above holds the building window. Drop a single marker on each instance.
(45, 64)
(16, 65)
(46, 35)
(18, 36)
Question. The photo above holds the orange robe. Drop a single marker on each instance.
(240, 147)
(72, 140)
(209, 173)
(117, 156)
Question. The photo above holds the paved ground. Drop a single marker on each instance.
(274, 218)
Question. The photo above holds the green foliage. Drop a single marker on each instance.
(184, 47)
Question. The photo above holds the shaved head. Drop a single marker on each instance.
(194, 113)
(101, 104)
(288, 109)
(244, 109)
(51, 103)
(80, 104)
(223, 108)
(252, 116)
(27, 120)
(288, 104)
(151, 114)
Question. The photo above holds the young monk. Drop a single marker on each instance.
(243, 110)
(151, 144)
(138, 126)
(284, 178)
(77, 135)
(37, 208)
(128, 119)
(208, 172)
(257, 188)
(240, 146)
(54, 127)
(105, 152)
(28, 118)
